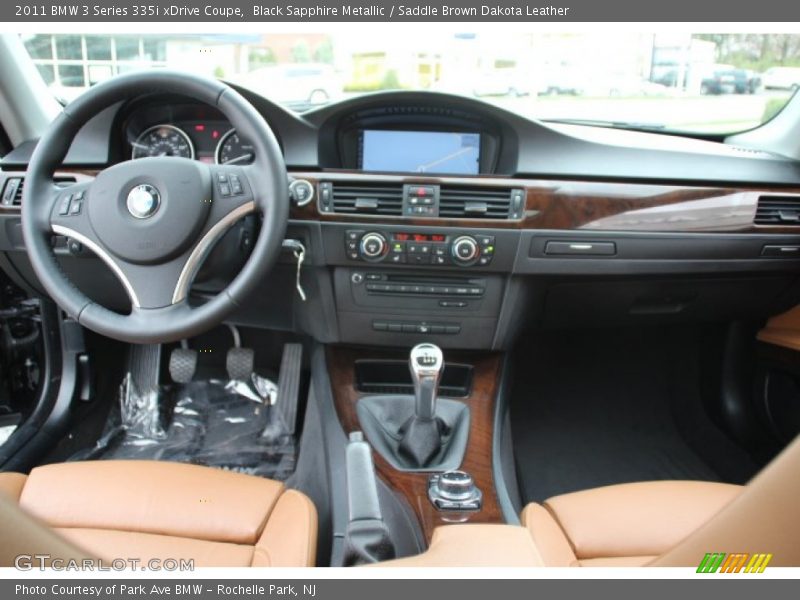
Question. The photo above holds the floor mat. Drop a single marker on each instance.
(599, 408)
(225, 424)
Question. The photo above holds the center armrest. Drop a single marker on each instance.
(476, 545)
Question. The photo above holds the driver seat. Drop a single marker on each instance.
(148, 510)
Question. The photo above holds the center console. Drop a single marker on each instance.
(444, 284)
(431, 430)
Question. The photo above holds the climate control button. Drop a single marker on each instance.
(373, 246)
(465, 250)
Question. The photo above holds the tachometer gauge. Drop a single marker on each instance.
(163, 140)
(233, 150)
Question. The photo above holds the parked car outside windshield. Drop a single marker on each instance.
(701, 83)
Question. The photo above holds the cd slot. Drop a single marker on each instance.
(391, 284)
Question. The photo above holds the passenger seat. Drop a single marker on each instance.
(622, 525)
(656, 524)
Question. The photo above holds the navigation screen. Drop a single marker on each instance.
(420, 151)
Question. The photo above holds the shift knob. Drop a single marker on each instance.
(426, 364)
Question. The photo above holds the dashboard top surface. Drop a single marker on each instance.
(511, 146)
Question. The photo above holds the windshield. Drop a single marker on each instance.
(704, 83)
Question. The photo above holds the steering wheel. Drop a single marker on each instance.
(153, 220)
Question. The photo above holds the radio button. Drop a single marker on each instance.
(452, 303)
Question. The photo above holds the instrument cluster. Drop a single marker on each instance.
(166, 126)
(210, 142)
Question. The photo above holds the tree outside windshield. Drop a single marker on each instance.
(707, 83)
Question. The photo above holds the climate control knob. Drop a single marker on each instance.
(465, 250)
(373, 246)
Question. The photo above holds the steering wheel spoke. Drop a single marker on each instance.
(69, 217)
(146, 285)
(232, 198)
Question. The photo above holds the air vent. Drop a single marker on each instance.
(372, 198)
(12, 191)
(778, 210)
(471, 202)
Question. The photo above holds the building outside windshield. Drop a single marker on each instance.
(702, 83)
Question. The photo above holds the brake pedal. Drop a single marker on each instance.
(182, 365)
(240, 363)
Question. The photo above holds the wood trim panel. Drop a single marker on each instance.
(568, 205)
(585, 205)
(478, 458)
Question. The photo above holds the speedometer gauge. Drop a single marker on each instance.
(233, 150)
(163, 140)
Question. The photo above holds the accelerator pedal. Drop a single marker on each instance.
(289, 385)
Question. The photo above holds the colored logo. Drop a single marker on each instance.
(143, 201)
(719, 562)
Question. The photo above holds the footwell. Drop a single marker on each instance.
(601, 407)
(226, 424)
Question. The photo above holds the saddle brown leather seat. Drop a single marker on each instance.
(156, 510)
(659, 524)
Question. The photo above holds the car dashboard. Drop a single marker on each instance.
(444, 217)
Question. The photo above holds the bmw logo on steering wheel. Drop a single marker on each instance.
(143, 201)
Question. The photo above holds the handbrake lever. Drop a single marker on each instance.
(367, 538)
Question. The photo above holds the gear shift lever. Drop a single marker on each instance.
(422, 433)
(426, 363)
